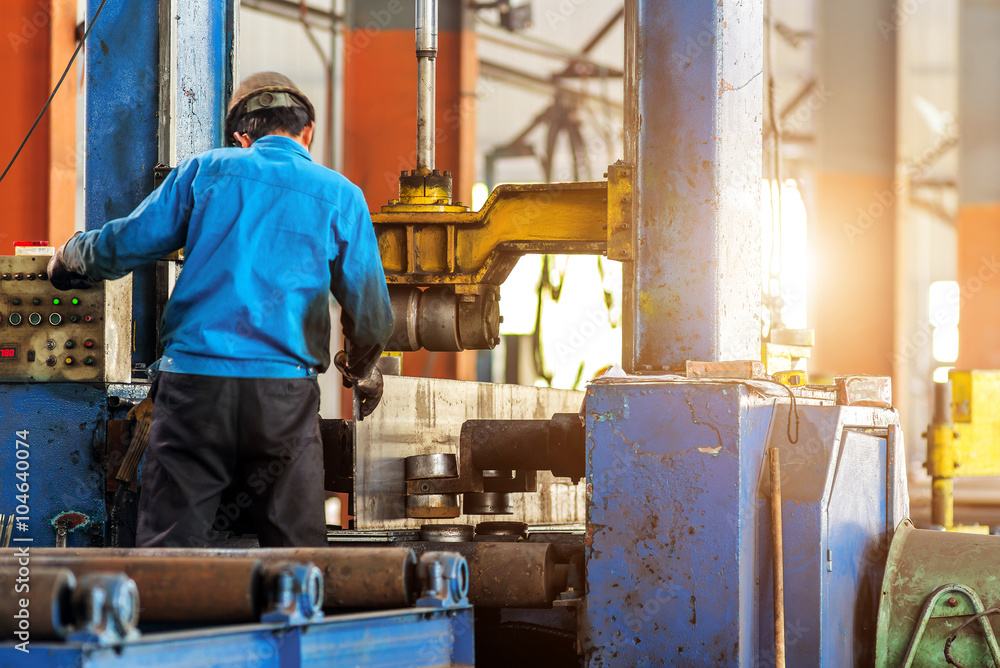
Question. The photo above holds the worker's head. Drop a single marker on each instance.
(268, 103)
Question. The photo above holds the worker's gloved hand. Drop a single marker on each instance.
(368, 391)
(367, 388)
(62, 277)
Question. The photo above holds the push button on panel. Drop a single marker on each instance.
(89, 343)
(89, 361)
(14, 319)
(70, 344)
(35, 319)
(55, 319)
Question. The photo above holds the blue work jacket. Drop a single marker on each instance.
(268, 234)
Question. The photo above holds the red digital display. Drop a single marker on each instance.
(8, 352)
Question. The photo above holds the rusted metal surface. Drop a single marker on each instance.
(354, 577)
(425, 416)
(693, 99)
(506, 575)
(172, 589)
(48, 594)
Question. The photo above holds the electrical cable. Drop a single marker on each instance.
(55, 90)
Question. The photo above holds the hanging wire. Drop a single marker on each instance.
(55, 90)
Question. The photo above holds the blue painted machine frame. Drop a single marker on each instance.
(678, 536)
(414, 638)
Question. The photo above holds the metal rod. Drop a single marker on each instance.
(778, 560)
(173, 589)
(506, 575)
(427, 41)
(354, 577)
(48, 607)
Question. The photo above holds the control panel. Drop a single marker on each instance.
(49, 335)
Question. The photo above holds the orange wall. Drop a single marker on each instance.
(380, 128)
(38, 39)
(380, 111)
(979, 286)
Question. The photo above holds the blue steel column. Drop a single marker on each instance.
(122, 87)
(206, 44)
(693, 129)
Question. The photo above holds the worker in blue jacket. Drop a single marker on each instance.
(267, 235)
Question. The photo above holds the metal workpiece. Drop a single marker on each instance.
(447, 533)
(44, 603)
(693, 99)
(353, 577)
(445, 579)
(433, 506)
(173, 589)
(427, 41)
(437, 318)
(487, 503)
(557, 445)
(435, 465)
(506, 575)
(935, 583)
(49, 612)
(425, 416)
(497, 457)
(501, 532)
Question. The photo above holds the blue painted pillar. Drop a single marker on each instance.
(206, 52)
(694, 87)
(122, 100)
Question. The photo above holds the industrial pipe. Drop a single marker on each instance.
(173, 589)
(506, 575)
(353, 577)
(53, 604)
(427, 41)
(49, 610)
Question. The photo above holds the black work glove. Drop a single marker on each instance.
(367, 388)
(62, 277)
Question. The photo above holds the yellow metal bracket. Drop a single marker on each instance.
(468, 249)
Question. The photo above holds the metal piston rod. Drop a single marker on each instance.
(427, 41)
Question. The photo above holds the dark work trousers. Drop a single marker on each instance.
(209, 431)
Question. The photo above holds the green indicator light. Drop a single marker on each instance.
(75, 301)
(55, 302)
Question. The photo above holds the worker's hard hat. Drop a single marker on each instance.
(265, 90)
